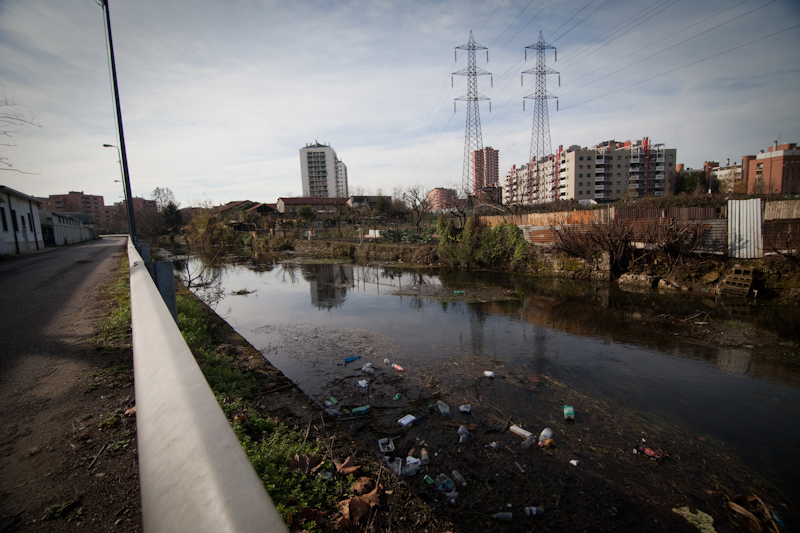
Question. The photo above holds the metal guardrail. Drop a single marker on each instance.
(194, 474)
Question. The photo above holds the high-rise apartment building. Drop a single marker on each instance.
(485, 168)
(323, 174)
(776, 171)
(604, 173)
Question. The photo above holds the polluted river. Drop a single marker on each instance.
(616, 357)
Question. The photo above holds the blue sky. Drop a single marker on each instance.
(218, 97)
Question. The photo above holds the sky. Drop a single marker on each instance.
(217, 98)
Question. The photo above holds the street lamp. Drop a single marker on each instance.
(124, 189)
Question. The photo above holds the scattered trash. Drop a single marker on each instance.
(406, 420)
(463, 435)
(428, 480)
(386, 360)
(465, 408)
(368, 369)
(398, 367)
(333, 412)
(355, 428)
(397, 466)
(443, 408)
(386, 445)
(424, 458)
(325, 474)
(358, 411)
(569, 412)
(488, 373)
(574, 462)
(530, 511)
(363, 383)
(494, 446)
(396, 397)
(521, 470)
(700, 520)
(506, 517)
(351, 359)
(333, 400)
(459, 292)
(527, 443)
(544, 436)
(657, 457)
(328, 403)
(516, 430)
(412, 466)
(445, 485)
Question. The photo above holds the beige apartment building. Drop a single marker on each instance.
(605, 172)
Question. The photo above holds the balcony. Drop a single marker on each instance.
(634, 170)
(659, 176)
(635, 158)
(599, 170)
(598, 160)
(600, 187)
(659, 193)
(660, 159)
(660, 168)
(602, 196)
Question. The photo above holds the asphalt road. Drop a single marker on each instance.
(41, 297)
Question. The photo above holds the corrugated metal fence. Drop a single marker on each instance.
(744, 229)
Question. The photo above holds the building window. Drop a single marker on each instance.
(580, 158)
(3, 216)
(580, 193)
(617, 191)
(619, 166)
(618, 158)
(30, 221)
(580, 184)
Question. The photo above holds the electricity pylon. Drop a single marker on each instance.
(473, 140)
(540, 135)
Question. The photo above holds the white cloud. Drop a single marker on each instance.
(217, 98)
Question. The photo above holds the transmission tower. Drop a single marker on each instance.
(473, 140)
(540, 136)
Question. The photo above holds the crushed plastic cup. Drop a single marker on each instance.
(488, 373)
(443, 408)
(386, 445)
(386, 360)
(406, 420)
(466, 408)
(569, 412)
(574, 462)
(428, 480)
(367, 369)
(363, 383)
(397, 465)
(463, 434)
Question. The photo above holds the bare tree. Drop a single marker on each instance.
(10, 122)
(416, 201)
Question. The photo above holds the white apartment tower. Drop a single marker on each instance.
(323, 174)
(605, 172)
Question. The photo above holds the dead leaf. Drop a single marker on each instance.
(348, 467)
(306, 463)
(131, 411)
(373, 498)
(362, 485)
(357, 507)
(744, 512)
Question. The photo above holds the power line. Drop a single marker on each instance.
(584, 19)
(490, 16)
(685, 66)
(669, 47)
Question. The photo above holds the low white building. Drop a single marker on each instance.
(20, 229)
(63, 228)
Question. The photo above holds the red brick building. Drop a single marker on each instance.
(776, 171)
(485, 168)
(77, 202)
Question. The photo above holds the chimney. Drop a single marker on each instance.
(775, 146)
(728, 162)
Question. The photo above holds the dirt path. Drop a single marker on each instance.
(67, 453)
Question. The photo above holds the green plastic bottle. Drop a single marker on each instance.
(358, 411)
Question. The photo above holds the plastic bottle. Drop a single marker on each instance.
(398, 367)
(333, 400)
(358, 411)
(328, 403)
(424, 458)
(507, 517)
(351, 359)
(459, 478)
(444, 483)
(527, 443)
(546, 433)
(530, 511)
(463, 434)
(443, 408)
(333, 412)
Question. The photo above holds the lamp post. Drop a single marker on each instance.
(128, 206)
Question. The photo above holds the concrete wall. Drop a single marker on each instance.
(20, 229)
